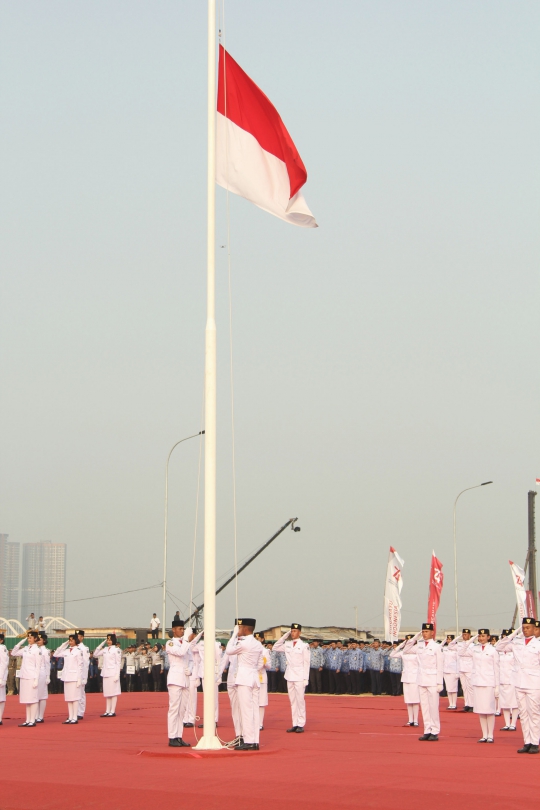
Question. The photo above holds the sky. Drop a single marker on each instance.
(382, 363)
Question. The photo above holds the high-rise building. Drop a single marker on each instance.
(43, 579)
(9, 577)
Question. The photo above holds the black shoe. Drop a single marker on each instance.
(505, 728)
(534, 750)
(66, 722)
(525, 749)
(434, 738)
(175, 743)
(80, 717)
(240, 743)
(112, 715)
(491, 740)
(105, 715)
(23, 725)
(451, 708)
(299, 729)
(33, 725)
(40, 721)
(189, 725)
(291, 730)
(424, 737)
(482, 740)
(183, 743)
(74, 722)
(248, 747)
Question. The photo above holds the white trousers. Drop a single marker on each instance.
(466, 685)
(235, 710)
(178, 698)
(191, 705)
(429, 704)
(82, 703)
(296, 691)
(248, 701)
(216, 697)
(529, 714)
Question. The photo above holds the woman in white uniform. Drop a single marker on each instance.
(409, 674)
(507, 692)
(44, 676)
(4, 663)
(110, 672)
(29, 676)
(72, 675)
(485, 682)
(450, 671)
(263, 678)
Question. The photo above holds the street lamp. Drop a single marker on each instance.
(455, 546)
(166, 520)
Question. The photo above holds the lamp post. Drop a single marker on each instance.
(455, 547)
(166, 521)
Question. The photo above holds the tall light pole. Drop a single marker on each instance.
(166, 522)
(455, 547)
(356, 622)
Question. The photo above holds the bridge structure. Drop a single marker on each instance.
(14, 628)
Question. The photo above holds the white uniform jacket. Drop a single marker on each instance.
(111, 658)
(250, 654)
(409, 672)
(178, 651)
(429, 657)
(73, 663)
(450, 660)
(485, 670)
(232, 663)
(267, 663)
(31, 660)
(506, 666)
(45, 669)
(86, 660)
(4, 663)
(297, 655)
(465, 653)
(198, 661)
(526, 674)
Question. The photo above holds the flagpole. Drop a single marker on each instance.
(209, 739)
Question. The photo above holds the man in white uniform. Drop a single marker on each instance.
(464, 647)
(198, 657)
(232, 663)
(194, 683)
(296, 674)
(86, 663)
(250, 660)
(178, 681)
(450, 671)
(430, 678)
(526, 676)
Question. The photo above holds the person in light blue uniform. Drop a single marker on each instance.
(332, 666)
(395, 667)
(356, 659)
(375, 665)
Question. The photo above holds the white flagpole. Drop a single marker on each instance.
(209, 739)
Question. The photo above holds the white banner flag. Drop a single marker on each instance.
(518, 575)
(392, 596)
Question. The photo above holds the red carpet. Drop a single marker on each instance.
(355, 753)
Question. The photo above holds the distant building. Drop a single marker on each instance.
(43, 579)
(9, 577)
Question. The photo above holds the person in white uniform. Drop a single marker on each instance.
(409, 679)
(178, 681)
(44, 676)
(263, 678)
(29, 676)
(507, 691)
(4, 663)
(250, 657)
(526, 677)
(296, 674)
(71, 675)
(232, 664)
(450, 671)
(463, 646)
(430, 678)
(485, 683)
(198, 658)
(194, 683)
(110, 672)
(86, 663)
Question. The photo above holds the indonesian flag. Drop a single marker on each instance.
(255, 155)
(392, 596)
(436, 578)
(538, 482)
(518, 576)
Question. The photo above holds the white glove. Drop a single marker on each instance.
(439, 687)
(84, 682)
(48, 681)
(2, 683)
(78, 684)
(116, 680)
(235, 631)
(35, 683)
(305, 684)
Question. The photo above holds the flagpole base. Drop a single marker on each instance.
(208, 743)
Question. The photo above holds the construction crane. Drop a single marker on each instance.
(196, 617)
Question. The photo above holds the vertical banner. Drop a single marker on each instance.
(518, 577)
(392, 596)
(531, 607)
(435, 589)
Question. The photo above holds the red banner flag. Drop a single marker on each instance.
(435, 589)
(531, 607)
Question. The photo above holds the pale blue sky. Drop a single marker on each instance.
(382, 363)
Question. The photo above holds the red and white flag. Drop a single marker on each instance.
(538, 482)
(436, 578)
(518, 577)
(392, 597)
(255, 155)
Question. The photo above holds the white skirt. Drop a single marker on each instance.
(411, 693)
(43, 693)
(110, 688)
(507, 696)
(451, 681)
(484, 700)
(27, 692)
(263, 694)
(2, 694)
(72, 692)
